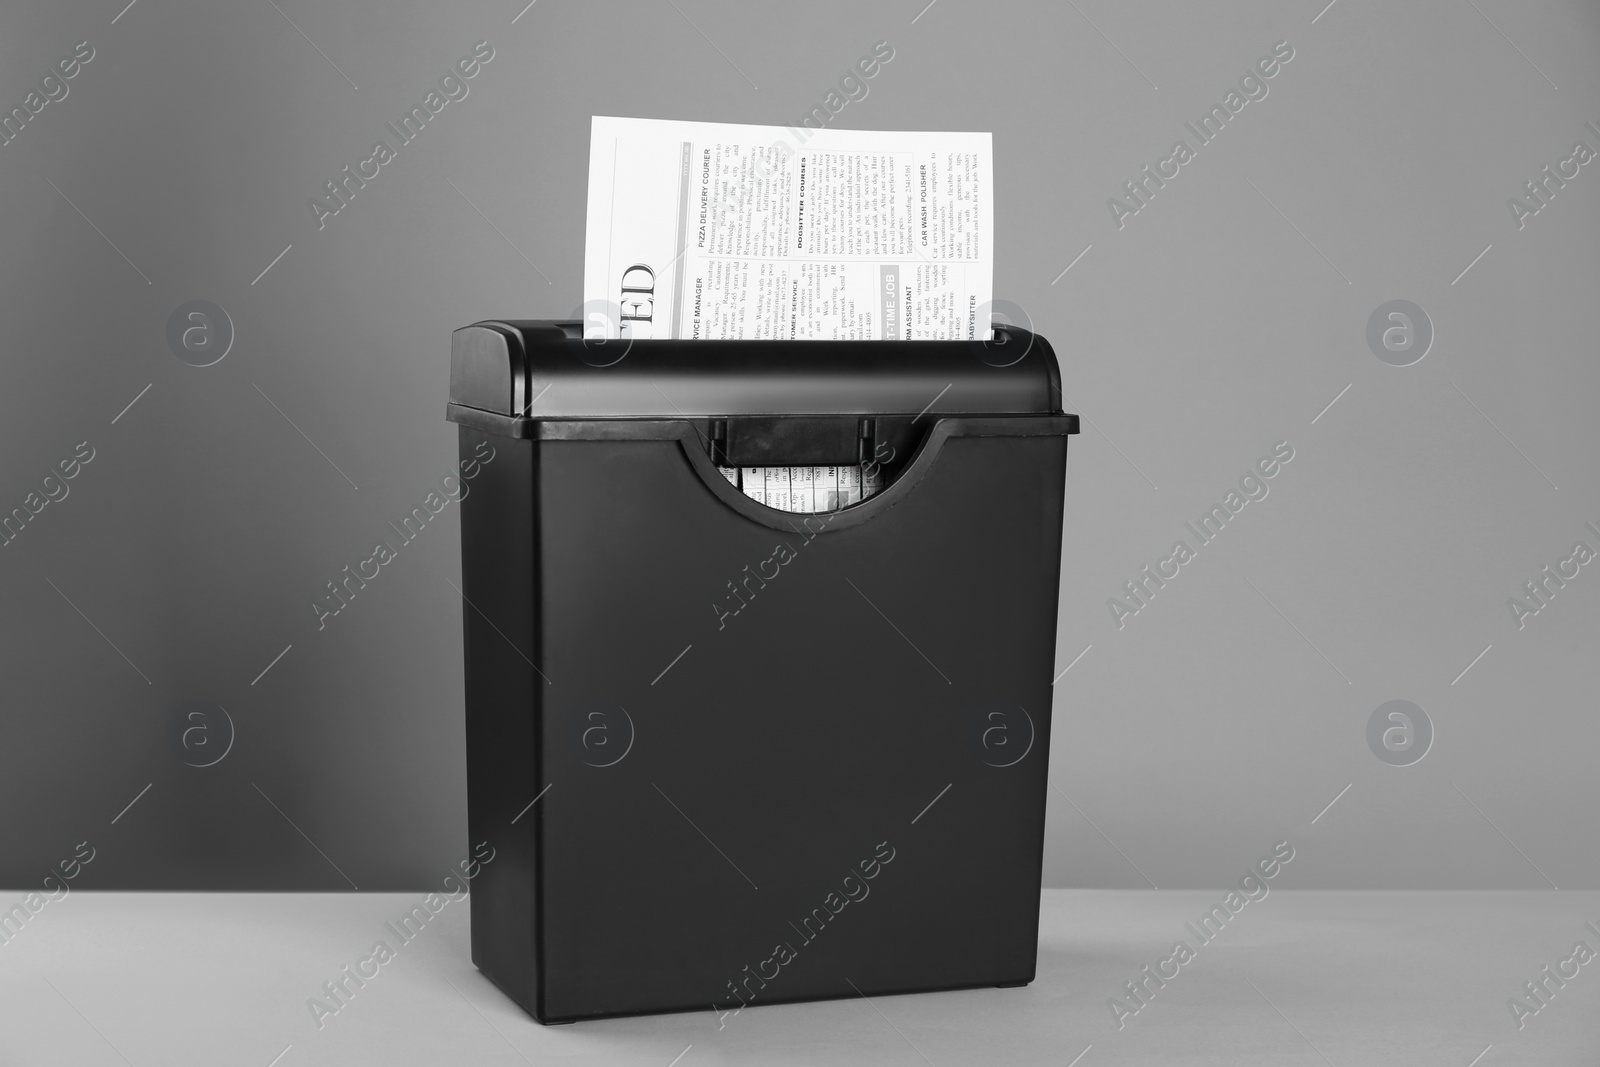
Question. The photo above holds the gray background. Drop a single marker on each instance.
(1220, 320)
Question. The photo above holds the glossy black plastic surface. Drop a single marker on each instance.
(545, 370)
(776, 757)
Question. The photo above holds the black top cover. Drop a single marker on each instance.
(545, 370)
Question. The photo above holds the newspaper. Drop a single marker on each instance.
(805, 489)
(710, 230)
(714, 231)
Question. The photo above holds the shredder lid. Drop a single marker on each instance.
(543, 369)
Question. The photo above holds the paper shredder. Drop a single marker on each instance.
(728, 755)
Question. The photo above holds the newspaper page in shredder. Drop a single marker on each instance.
(710, 230)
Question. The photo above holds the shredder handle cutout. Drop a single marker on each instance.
(921, 464)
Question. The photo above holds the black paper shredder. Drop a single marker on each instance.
(728, 755)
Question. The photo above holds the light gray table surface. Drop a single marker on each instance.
(1300, 977)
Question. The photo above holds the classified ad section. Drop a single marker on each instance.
(710, 230)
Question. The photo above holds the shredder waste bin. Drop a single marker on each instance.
(727, 755)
